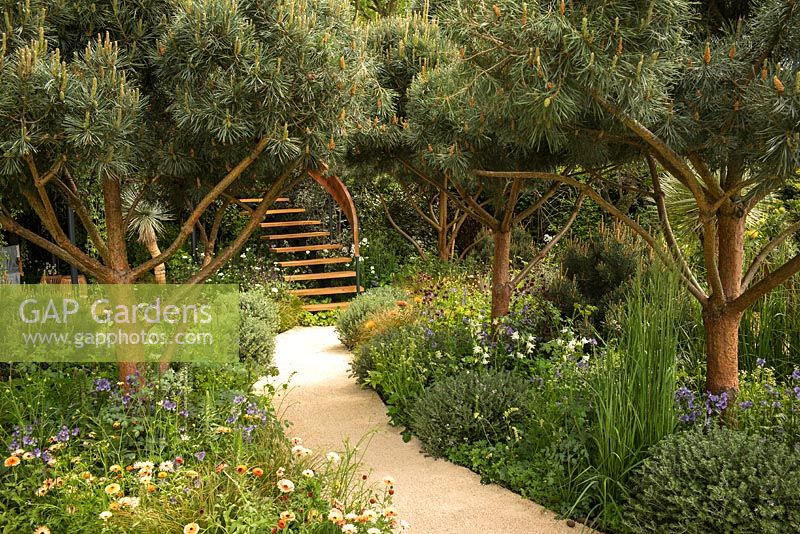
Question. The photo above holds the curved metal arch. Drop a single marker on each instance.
(334, 186)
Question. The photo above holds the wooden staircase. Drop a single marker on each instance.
(295, 239)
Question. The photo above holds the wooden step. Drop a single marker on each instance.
(279, 224)
(258, 200)
(315, 261)
(295, 236)
(325, 307)
(319, 276)
(305, 248)
(284, 211)
(339, 290)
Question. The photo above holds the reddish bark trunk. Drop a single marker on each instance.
(443, 245)
(720, 321)
(722, 351)
(501, 279)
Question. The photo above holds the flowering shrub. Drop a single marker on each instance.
(351, 321)
(764, 405)
(186, 451)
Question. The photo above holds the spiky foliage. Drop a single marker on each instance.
(187, 100)
(429, 142)
(708, 93)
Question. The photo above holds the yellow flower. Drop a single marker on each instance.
(41, 530)
(191, 473)
(12, 461)
(41, 492)
(369, 325)
(163, 474)
(28, 456)
(288, 516)
(115, 468)
(151, 488)
(114, 505)
(113, 489)
(105, 516)
(191, 528)
(241, 469)
(86, 475)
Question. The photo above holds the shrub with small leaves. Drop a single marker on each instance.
(363, 307)
(259, 324)
(719, 480)
(468, 408)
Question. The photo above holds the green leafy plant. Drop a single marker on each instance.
(260, 321)
(468, 408)
(716, 481)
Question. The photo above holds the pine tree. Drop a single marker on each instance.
(705, 95)
(432, 143)
(196, 98)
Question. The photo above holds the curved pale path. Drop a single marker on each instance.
(326, 407)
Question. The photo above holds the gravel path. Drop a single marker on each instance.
(327, 407)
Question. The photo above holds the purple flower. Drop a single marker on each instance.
(797, 392)
(745, 405)
(102, 384)
(239, 399)
(63, 435)
(200, 456)
(30, 441)
(716, 403)
(76, 431)
(761, 362)
(46, 456)
(796, 373)
(168, 405)
(184, 413)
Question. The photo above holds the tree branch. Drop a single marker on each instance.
(200, 208)
(669, 236)
(536, 206)
(402, 232)
(606, 205)
(764, 253)
(550, 244)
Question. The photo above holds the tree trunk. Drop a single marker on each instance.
(160, 270)
(720, 321)
(722, 351)
(443, 245)
(501, 279)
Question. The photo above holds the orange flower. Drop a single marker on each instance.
(12, 461)
(281, 524)
(241, 469)
(369, 325)
(401, 303)
(221, 467)
(151, 488)
(418, 299)
(257, 471)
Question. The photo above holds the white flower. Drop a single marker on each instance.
(515, 335)
(308, 473)
(477, 349)
(388, 481)
(166, 466)
(349, 528)
(286, 485)
(333, 457)
(105, 516)
(274, 289)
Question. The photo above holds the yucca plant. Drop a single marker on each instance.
(146, 220)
